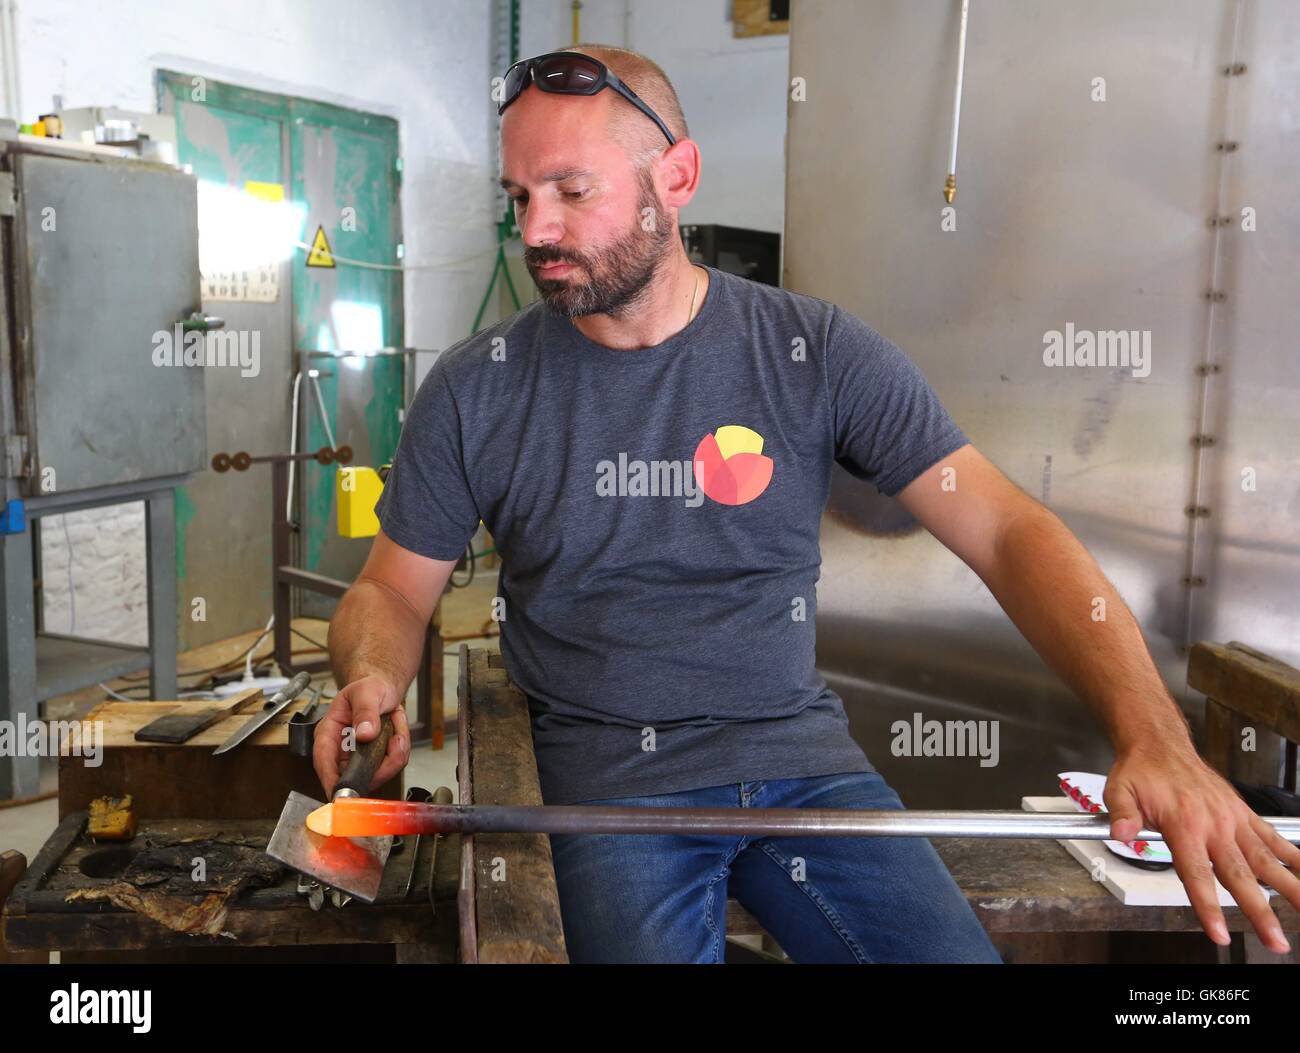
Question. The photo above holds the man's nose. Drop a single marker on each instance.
(541, 226)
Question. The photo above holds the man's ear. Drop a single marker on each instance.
(679, 168)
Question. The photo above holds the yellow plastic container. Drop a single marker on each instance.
(357, 490)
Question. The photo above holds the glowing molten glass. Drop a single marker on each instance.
(372, 817)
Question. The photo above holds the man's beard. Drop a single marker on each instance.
(616, 276)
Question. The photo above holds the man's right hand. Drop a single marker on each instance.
(360, 705)
(378, 629)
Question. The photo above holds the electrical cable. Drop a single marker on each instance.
(315, 643)
(213, 669)
(248, 665)
(470, 559)
(369, 265)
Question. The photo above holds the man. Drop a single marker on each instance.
(651, 446)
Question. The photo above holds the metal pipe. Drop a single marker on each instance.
(379, 352)
(13, 78)
(293, 443)
(320, 402)
(5, 78)
(1192, 580)
(950, 184)
(773, 822)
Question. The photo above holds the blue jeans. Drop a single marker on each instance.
(662, 898)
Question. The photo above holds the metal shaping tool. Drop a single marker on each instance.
(270, 709)
(420, 795)
(441, 796)
(302, 727)
(313, 890)
(349, 866)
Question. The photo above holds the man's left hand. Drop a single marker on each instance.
(1210, 831)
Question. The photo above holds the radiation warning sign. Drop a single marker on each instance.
(320, 255)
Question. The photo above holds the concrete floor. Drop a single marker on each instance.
(27, 827)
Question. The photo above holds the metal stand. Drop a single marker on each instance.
(285, 577)
(37, 665)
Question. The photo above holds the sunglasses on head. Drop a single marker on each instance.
(569, 73)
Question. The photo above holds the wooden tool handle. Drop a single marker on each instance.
(365, 760)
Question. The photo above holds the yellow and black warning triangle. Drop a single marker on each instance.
(321, 254)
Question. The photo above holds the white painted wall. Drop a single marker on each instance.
(428, 65)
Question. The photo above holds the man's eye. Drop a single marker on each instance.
(576, 195)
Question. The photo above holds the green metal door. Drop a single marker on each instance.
(346, 170)
(337, 171)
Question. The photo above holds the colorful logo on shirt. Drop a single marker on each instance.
(730, 466)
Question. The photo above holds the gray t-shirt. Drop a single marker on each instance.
(658, 515)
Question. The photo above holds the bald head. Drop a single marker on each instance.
(631, 128)
(596, 188)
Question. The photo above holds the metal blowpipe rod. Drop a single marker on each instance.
(367, 817)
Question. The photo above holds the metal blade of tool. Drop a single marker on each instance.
(270, 709)
(442, 795)
(302, 726)
(354, 865)
(351, 865)
(420, 795)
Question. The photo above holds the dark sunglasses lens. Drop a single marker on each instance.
(572, 74)
(516, 76)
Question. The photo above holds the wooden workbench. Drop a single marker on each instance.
(50, 910)
(187, 780)
(91, 901)
(1035, 901)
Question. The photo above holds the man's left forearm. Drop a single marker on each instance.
(1065, 607)
(1060, 600)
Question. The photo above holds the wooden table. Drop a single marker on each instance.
(185, 796)
(187, 780)
(1036, 902)
(47, 909)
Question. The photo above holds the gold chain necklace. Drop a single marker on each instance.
(690, 317)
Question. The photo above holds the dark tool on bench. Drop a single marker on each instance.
(352, 866)
(270, 710)
(421, 796)
(441, 796)
(302, 726)
(178, 727)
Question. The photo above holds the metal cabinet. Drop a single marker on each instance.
(98, 402)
